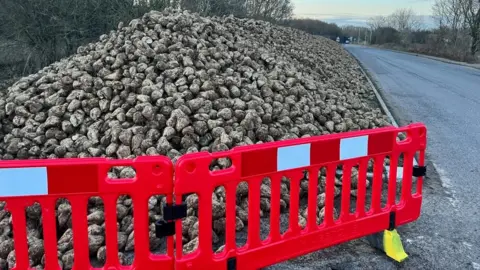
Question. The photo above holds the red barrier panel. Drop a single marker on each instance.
(291, 158)
(24, 183)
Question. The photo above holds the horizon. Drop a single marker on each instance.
(357, 12)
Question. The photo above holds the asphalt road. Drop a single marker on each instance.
(446, 97)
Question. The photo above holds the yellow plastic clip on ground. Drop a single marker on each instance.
(393, 246)
(389, 242)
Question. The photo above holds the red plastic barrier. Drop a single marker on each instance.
(44, 181)
(291, 159)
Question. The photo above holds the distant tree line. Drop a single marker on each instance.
(270, 10)
(456, 34)
(316, 27)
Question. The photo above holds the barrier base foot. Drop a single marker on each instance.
(389, 242)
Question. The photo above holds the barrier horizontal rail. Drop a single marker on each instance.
(291, 158)
(24, 183)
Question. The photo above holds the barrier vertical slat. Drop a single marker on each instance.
(392, 181)
(362, 187)
(230, 190)
(20, 235)
(329, 194)
(50, 233)
(254, 212)
(80, 232)
(377, 184)
(140, 227)
(275, 207)
(170, 240)
(421, 162)
(407, 175)
(205, 222)
(110, 202)
(295, 177)
(346, 182)
(312, 198)
(178, 230)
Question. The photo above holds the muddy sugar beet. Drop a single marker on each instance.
(172, 83)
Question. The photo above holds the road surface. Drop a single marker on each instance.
(446, 97)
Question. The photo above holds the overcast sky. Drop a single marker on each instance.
(357, 12)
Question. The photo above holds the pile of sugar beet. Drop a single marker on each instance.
(172, 83)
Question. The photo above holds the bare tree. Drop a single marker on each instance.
(471, 12)
(448, 13)
(377, 22)
(273, 10)
(215, 7)
(405, 20)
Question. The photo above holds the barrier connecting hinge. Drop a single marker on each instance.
(171, 213)
(392, 221)
(232, 263)
(419, 171)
